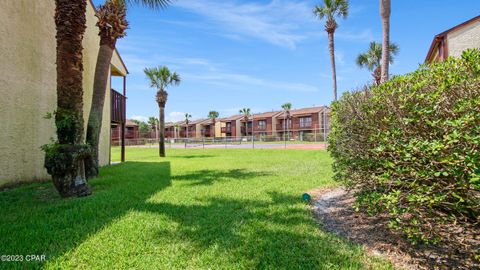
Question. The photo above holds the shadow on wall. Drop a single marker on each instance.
(60, 225)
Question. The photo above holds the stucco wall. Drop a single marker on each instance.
(238, 129)
(218, 129)
(464, 38)
(28, 86)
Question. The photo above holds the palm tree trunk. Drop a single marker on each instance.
(377, 75)
(162, 132)
(385, 14)
(70, 21)
(94, 127)
(331, 47)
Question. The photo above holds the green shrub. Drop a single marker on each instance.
(411, 148)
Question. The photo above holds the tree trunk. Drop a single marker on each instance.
(385, 14)
(70, 21)
(162, 132)
(377, 75)
(102, 70)
(331, 47)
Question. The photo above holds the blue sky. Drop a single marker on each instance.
(260, 54)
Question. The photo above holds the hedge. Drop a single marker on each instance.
(410, 148)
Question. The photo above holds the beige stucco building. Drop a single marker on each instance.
(455, 40)
(28, 86)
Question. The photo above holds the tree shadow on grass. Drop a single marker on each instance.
(209, 177)
(276, 231)
(259, 234)
(35, 220)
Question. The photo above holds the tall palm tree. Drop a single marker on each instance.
(70, 23)
(385, 14)
(329, 11)
(153, 122)
(246, 115)
(187, 121)
(176, 130)
(161, 78)
(213, 115)
(286, 107)
(372, 59)
(112, 24)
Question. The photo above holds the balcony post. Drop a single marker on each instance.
(124, 118)
(253, 134)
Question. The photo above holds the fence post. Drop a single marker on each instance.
(324, 126)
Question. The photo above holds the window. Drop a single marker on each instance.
(305, 122)
(262, 124)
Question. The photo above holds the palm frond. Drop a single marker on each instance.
(372, 58)
(287, 106)
(161, 77)
(394, 49)
(331, 9)
(153, 4)
(213, 114)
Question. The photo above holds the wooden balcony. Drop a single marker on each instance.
(169, 134)
(282, 127)
(118, 106)
(295, 126)
(183, 134)
(226, 129)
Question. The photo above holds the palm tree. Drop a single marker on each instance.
(153, 122)
(187, 120)
(372, 58)
(176, 130)
(112, 24)
(70, 23)
(213, 115)
(329, 10)
(385, 14)
(246, 115)
(160, 78)
(286, 117)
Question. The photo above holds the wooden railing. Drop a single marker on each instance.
(117, 107)
(295, 126)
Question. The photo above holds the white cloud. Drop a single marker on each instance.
(175, 117)
(279, 22)
(236, 79)
(139, 118)
(201, 69)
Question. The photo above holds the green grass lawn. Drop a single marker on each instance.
(196, 209)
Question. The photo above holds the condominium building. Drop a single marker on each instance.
(455, 40)
(299, 124)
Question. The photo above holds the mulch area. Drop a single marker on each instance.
(334, 209)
